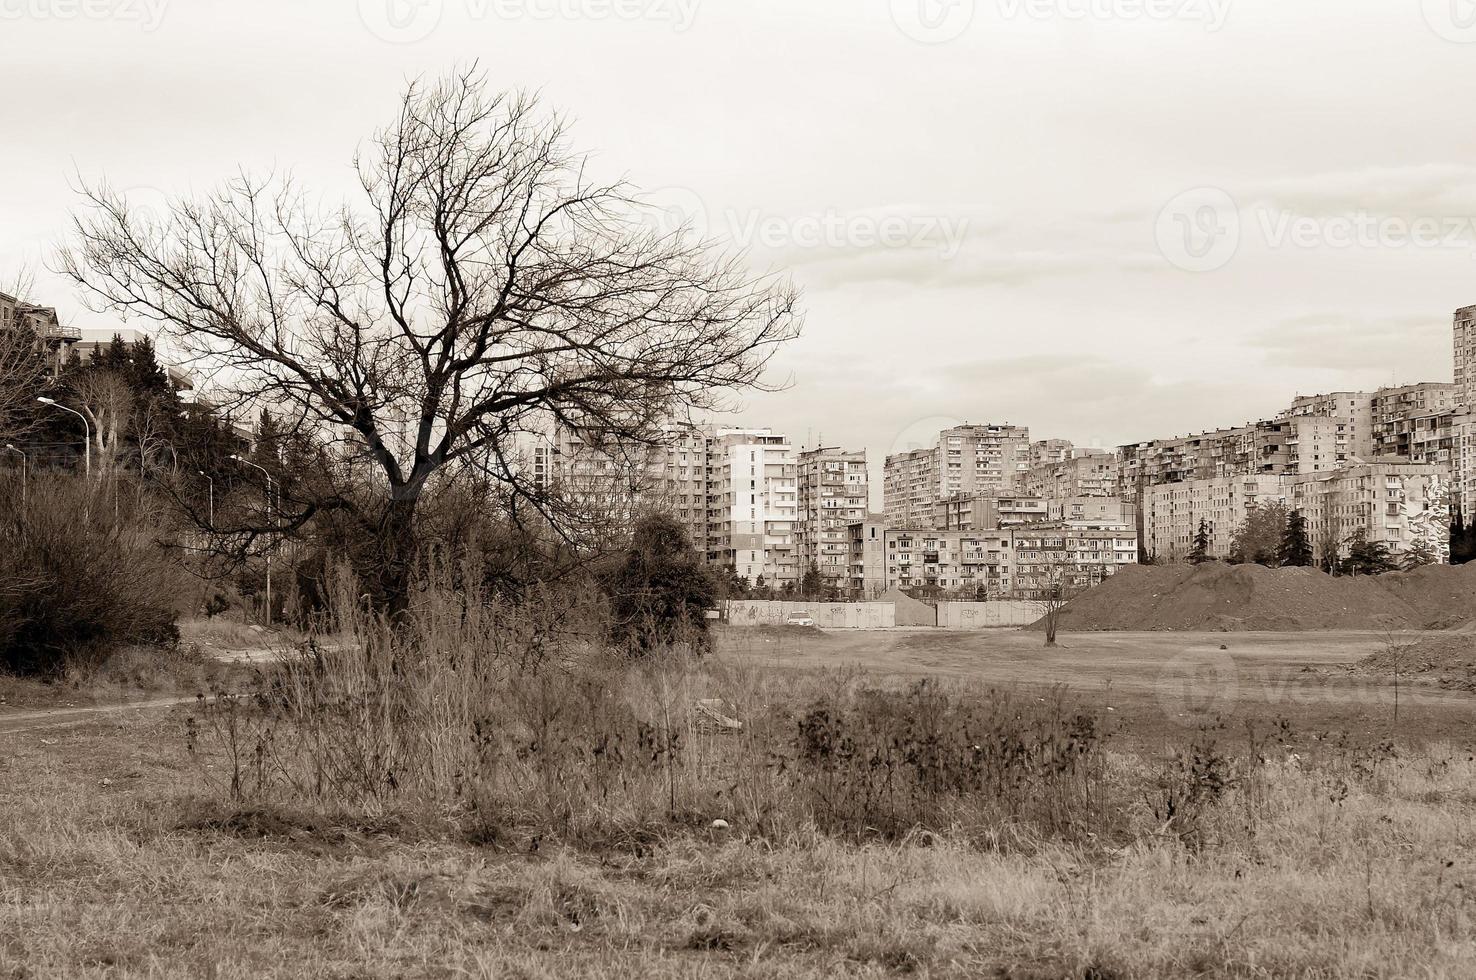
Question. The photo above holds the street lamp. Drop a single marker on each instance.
(24, 477)
(242, 459)
(212, 497)
(87, 428)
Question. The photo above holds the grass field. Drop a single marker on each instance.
(1160, 685)
(119, 857)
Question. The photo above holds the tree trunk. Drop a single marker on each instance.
(396, 559)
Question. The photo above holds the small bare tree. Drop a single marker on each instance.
(107, 402)
(484, 286)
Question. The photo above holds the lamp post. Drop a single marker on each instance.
(86, 427)
(25, 477)
(210, 481)
(242, 459)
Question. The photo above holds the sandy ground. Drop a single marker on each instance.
(1157, 684)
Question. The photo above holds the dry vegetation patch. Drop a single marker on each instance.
(1355, 865)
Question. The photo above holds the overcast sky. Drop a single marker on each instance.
(1106, 219)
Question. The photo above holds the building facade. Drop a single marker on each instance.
(967, 461)
(1010, 563)
(1394, 503)
(752, 505)
(832, 495)
(1092, 475)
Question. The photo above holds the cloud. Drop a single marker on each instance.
(1413, 347)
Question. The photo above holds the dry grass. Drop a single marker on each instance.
(112, 863)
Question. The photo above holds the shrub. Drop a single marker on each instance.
(75, 587)
(660, 590)
(506, 717)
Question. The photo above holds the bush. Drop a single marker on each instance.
(72, 589)
(660, 590)
(520, 718)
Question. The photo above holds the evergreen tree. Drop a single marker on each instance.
(1200, 552)
(1296, 546)
(1460, 539)
(811, 585)
(1367, 557)
(661, 590)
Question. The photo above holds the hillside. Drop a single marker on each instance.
(1216, 596)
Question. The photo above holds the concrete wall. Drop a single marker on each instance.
(984, 615)
(910, 611)
(827, 615)
(884, 615)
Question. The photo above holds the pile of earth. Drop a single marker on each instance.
(1448, 660)
(1215, 596)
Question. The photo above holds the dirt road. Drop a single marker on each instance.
(31, 719)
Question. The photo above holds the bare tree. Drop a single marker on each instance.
(107, 402)
(484, 286)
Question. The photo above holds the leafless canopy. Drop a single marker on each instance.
(482, 287)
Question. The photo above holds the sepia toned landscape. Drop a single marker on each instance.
(697, 489)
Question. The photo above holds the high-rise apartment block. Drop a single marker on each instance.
(734, 489)
(967, 461)
(752, 505)
(1353, 409)
(1094, 475)
(1301, 444)
(833, 494)
(1464, 335)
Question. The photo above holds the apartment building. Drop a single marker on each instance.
(1392, 502)
(1463, 423)
(605, 482)
(1306, 444)
(1020, 563)
(1091, 475)
(752, 505)
(1463, 331)
(1354, 409)
(832, 495)
(1089, 512)
(42, 321)
(1415, 422)
(968, 460)
(988, 511)
(1172, 512)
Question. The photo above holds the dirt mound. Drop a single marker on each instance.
(1215, 596)
(1449, 660)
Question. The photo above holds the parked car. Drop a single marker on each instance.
(799, 619)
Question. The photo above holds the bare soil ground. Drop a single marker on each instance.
(1160, 685)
